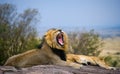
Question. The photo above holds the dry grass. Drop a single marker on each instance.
(111, 51)
(111, 46)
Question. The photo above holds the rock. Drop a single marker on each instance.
(53, 69)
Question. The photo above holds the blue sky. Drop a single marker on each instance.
(72, 14)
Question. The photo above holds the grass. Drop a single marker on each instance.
(111, 46)
(111, 51)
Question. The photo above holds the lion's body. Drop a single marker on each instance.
(92, 60)
(29, 58)
(51, 51)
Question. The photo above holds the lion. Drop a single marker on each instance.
(88, 60)
(51, 51)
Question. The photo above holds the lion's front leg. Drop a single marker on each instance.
(92, 61)
(102, 63)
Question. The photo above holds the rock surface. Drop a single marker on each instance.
(52, 69)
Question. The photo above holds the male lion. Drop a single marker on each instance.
(52, 50)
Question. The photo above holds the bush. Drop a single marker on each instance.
(86, 43)
(17, 31)
(113, 60)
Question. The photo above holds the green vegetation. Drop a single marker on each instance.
(17, 31)
(113, 60)
(86, 43)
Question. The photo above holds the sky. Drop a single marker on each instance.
(72, 14)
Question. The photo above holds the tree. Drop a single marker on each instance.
(17, 31)
(86, 43)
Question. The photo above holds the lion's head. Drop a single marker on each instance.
(56, 38)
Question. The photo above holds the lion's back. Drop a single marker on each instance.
(16, 59)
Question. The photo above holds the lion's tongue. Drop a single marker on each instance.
(61, 41)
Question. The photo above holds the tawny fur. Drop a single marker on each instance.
(45, 54)
(92, 60)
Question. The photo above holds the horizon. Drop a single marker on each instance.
(73, 15)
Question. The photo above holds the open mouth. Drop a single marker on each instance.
(60, 39)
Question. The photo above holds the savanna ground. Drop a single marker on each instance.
(111, 46)
(111, 51)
